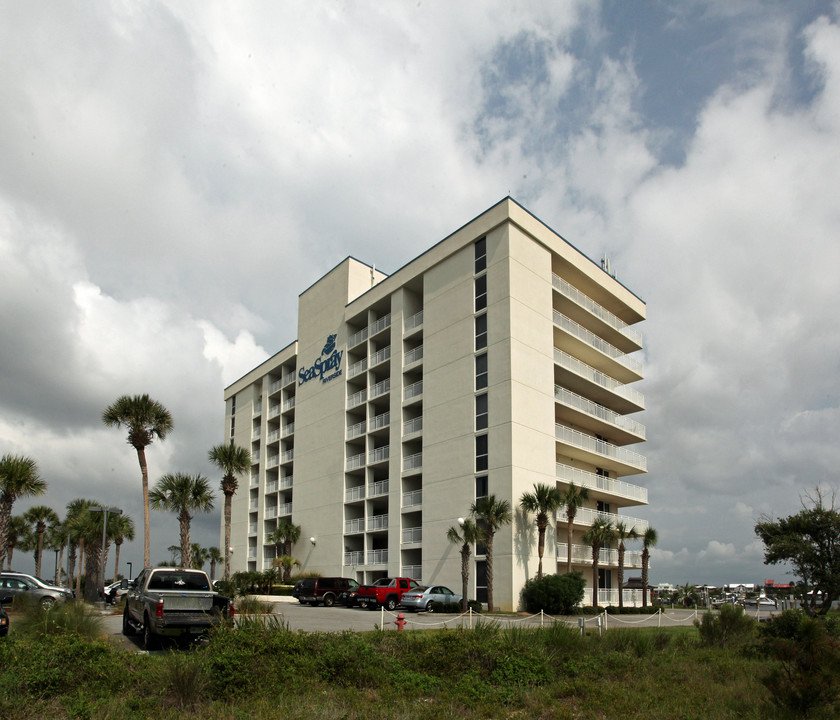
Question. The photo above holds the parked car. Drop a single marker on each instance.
(4, 618)
(324, 590)
(22, 585)
(423, 597)
(350, 597)
(113, 592)
(40, 582)
(296, 589)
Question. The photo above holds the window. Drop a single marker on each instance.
(481, 415)
(480, 579)
(481, 453)
(480, 255)
(481, 331)
(481, 371)
(480, 292)
(481, 487)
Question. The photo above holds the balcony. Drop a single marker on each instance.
(257, 409)
(288, 379)
(354, 494)
(357, 398)
(587, 516)
(380, 356)
(413, 322)
(582, 555)
(288, 429)
(380, 421)
(616, 491)
(289, 403)
(413, 462)
(412, 499)
(377, 557)
(598, 385)
(355, 461)
(255, 433)
(357, 338)
(287, 456)
(412, 391)
(270, 513)
(255, 457)
(413, 356)
(355, 430)
(274, 411)
(597, 418)
(415, 425)
(412, 536)
(378, 488)
(273, 436)
(284, 509)
(272, 461)
(380, 325)
(378, 522)
(415, 572)
(271, 487)
(357, 368)
(381, 388)
(613, 328)
(356, 525)
(286, 482)
(275, 387)
(252, 529)
(355, 557)
(379, 455)
(596, 350)
(599, 452)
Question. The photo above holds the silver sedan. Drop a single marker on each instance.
(422, 598)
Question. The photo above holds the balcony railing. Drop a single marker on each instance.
(358, 337)
(274, 387)
(355, 557)
(252, 529)
(591, 339)
(255, 457)
(257, 409)
(413, 356)
(355, 461)
(356, 525)
(412, 426)
(289, 403)
(587, 516)
(412, 462)
(566, 361)
(379, 454)
(592, 481)
(414, 321)
(286, 482)
(274, 411)
(270, 512)
(256, 432)
(600, 447)
(377, 557)
(412, 498)
(287, 379)
(354, 493)
(380, 487)
(271, 487)
(582, 555)
(253, 504)
(288, 429)
(578, 402)
(571, 292)
(357, 398)
(381, 388)
(284, 509)
(357, 368)
(380, 421)
(273, 436)
(355, 430)
(380, 324)
(412, 535)
(415, 572)
(380, 356)
(378, 522)
(272, 461)
(413, 390)
(287, 455)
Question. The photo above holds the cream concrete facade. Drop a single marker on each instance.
(369, 430)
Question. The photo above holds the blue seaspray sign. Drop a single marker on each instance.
(327, 366)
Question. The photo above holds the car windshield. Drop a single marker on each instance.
(178, 581)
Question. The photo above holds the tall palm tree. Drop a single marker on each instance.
(146, 419)
(56, 540)
(600, 534)
(543, 502)
(199, 556)
(74, 540)
(19, 478)
(86, 528)
(649, 539)
(232, 461)
(490, 514)
(18, 535)
(215, 556)
(466, 536)
(573, 498)
(121, 528)
(185, 495)
(286, 535)
(622, 534)
(39, 518)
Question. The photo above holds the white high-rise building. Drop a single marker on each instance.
(499, 358)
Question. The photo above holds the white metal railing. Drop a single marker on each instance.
(286, 379)
(412, 498)
(587, 516)
(257, 409)
(412, 426)
(254, 504)
(256, 432)
(377, 522)
(358, 337)
(271, 487)
(273, 436)
(594, 481)
(355, 461)
(358, 429)
(284, 509)
(380, 324)
(289, 403)
(357, 398)
(289, 428)
(578, 402)
(255, 457)
(600, 447)
(591, 339)
(412, 535)
(354, 493)
(415, 572)
(380, 356)
(252, 529)
(609, 596)
(380, 421)
(255, 480)
(252, 553)
(413, 390)
(272, 461)
(274, 411)
(414, 321)
(615, 322)
(412, 462)
(582, 555)
(356, 525)
(270, 512)
(380, 487)
(286, 482)
(357, 368)
(564, 360)
(274, 387)
(382, 387)
(379, 454)
(354, 557)
(287, 455)
(413, 356)
(377, 557)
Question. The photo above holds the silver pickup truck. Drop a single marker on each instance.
(174, 603)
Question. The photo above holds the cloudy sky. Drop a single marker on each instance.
(173, 174)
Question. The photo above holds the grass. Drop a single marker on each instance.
(262, 670)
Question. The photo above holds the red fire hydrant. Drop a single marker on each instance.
(400, 622)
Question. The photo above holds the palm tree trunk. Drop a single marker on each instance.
(71, 564)
(116, 561)
(465, 575)
(228, 502)
(621, 575)
(489, 561)
(186, 550)
(212, 569)
(39, 554)
(144, 474)
(5, 515)
(9, 557)
(595, 567)
(79, 576)
(93, 581)
(644, 577)
(540, 547)
(569, 533)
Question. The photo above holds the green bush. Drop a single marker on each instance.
(442, 607)
(729, 626)
(554, 594)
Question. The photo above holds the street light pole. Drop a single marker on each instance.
(128, 562)
(104, 511)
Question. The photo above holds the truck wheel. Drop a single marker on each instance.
(329, 600)
(128, 628)
(150, 641)
(363, 604)
(391, 604)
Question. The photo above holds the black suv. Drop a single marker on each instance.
(324, 590)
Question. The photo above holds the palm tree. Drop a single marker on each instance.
(232, 461)
(600, 534)
(145, 419)
(18, 535)
(86, 528)
(649, 539)
(286, 535)
(56, 540)
(490, 514)
(39, 518)
(573, 498)
(182, 494)
(466, 536)
(285, 563)
(122, 529)
(19, 478)
(544, 501)
(76, 538)
(215, 556)
(199, 556)
(622, 534)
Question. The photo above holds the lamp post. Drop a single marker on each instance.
(128, 562)
(104, 511)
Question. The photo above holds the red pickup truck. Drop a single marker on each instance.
(385, 591)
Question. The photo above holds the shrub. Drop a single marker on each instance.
(728, 627)
(68, 618)
(554, 594)
(442, 607)
(252, 606)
